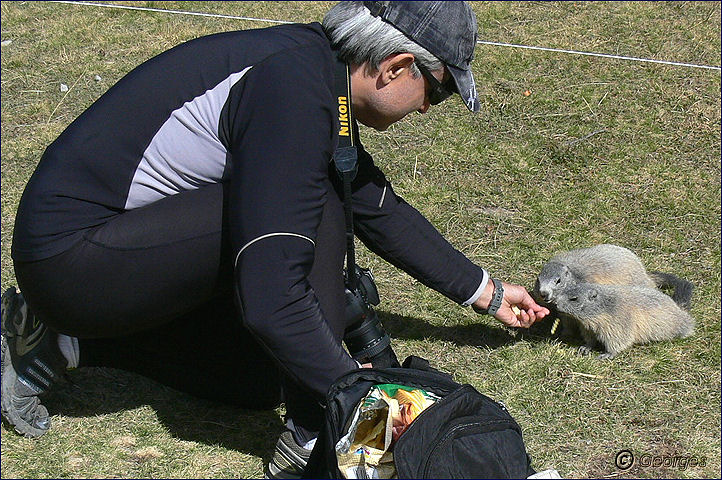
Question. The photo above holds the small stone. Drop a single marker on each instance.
(147, 453)
(98, 78)
(5, 43)
(63, 87)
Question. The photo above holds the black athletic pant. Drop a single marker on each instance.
(151, 292)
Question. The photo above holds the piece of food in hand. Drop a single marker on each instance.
(516, 310)
(555, 325)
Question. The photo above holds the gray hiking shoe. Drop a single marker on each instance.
(289, 459)
(30, 363)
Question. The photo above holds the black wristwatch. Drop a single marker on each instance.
(496, 299)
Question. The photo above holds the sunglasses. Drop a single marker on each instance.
(439, 91)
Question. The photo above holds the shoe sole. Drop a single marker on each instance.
(9, 378)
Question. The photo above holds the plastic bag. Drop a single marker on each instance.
(365, 451)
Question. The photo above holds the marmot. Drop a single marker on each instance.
(604, 264)
(618, 316)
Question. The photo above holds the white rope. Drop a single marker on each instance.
(481, 42)
(180, 12)
(605, 55)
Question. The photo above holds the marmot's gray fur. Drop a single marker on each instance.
(618, 316)
(604, 264)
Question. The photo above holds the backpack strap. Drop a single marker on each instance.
(418, 363)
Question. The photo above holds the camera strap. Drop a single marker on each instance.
(346, 159)
(366, 339)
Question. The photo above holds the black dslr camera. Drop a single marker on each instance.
(366, 339)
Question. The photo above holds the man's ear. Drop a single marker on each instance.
(394, 66)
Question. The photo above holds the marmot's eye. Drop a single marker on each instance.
(559, 280)
(573, 299)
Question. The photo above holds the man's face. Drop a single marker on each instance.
(395, 95)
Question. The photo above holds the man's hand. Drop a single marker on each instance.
(529, 311)
(514, 296)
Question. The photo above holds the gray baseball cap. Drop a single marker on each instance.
(446, 29)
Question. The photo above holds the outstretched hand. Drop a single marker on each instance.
(518, 308)
(529, 311)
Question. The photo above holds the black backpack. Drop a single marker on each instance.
(465, 434)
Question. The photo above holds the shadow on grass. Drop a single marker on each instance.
(93, 391)
(478, 334)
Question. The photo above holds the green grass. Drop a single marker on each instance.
(510, 187)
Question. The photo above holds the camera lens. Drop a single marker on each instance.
(367, 341)
(367, 337)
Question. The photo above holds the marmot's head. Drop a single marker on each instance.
(553, 278)
(577, 299)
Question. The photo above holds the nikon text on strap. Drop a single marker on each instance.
(365, 338)
(346, 159)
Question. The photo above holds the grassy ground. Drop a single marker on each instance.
(598, 151)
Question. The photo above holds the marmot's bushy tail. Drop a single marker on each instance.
(682, 295)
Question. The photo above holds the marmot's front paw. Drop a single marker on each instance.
(585, 350)
(607, 356)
